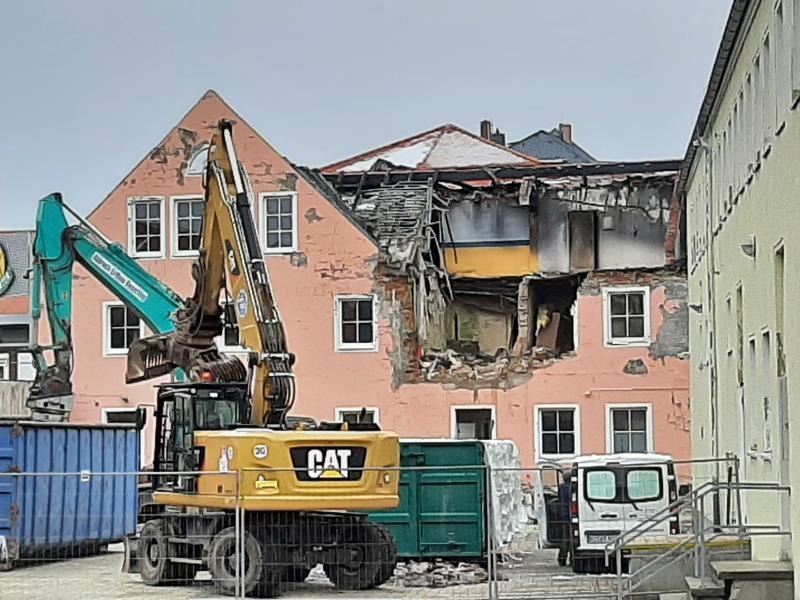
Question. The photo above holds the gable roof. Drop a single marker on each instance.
(549, 145)
(447, 146)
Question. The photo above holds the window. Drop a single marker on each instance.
(187, 225)
(630, 429)
(473, 423)
(356, 326)
(558, 431)
(5, 367)
(121, 328)
(782, 75)
(644, 484)
(601, 485)
(197, 163)
(146, 235)
(357, 415)
(126, 416)
(15, 334)
(280, 222)
(795, 50)
(767, 102)
(627, 313)
(26, 369)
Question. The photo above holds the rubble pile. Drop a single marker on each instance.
(438, 574)
(440, 366)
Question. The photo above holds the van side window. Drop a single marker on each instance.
(644, 484)
(601, 485)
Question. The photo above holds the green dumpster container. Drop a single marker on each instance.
(442, 512)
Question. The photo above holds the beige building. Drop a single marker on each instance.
(741, 184)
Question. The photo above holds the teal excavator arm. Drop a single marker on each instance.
(57, 246)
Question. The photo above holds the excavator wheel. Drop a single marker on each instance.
(153, 558)
(371, 553)
(259, 580)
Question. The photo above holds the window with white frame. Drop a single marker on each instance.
(197, 163)
(357, 415)
(5, 367)
(356, 324)
(558, 431)
(146, 231)
(627, 315)
(121, 328)
(279, 222)
(630, 429)
(187, 225)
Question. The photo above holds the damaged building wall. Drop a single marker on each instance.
(490, 238)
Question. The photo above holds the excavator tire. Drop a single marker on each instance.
(259, 580)
(153, 558)
(373, 556)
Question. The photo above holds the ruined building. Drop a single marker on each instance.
(556, 288)
(449, 284)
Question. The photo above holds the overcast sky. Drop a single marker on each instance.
(88, 87)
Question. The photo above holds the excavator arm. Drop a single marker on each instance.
(230, 262)
(57, 247)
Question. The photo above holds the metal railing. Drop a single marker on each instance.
(704, 531)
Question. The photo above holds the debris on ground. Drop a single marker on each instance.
(438, 574)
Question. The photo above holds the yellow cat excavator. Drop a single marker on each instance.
(221, 439)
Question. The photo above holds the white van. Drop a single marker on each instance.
(609, 494)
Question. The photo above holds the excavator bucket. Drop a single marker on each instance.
(148, 358)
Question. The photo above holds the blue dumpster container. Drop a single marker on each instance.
(65, 489)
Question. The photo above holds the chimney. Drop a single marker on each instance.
(491, 133)
(566, 132)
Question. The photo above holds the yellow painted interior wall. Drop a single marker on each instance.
(487, 262)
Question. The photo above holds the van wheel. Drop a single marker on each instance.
(579, 565)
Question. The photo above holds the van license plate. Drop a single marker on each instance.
(600, 539)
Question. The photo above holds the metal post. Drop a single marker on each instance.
(240, 528)
(696, 529)
(491, 565)
(701, 537)
(620, 595)
(740, 520)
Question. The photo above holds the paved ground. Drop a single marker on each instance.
(534, 575)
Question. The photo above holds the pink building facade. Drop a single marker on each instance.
(604, 371)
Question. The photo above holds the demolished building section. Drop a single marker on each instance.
(496, 259)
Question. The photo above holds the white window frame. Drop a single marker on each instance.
(263, 196)
(173, 204)
(5, 366)
(349, 409)
(188, 172)
(454, 408)
(132, 201)
(537, 430)
(637, 341)
(341, 346)
(142, 433)
(648, 407)
(107, 349)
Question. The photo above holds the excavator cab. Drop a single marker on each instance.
(183, 409)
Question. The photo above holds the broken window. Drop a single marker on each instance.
(280, 222)
(474, 424)
(197, 163)
(629, 430)
(355, 323)
(557, 431)
(627, 315)
(146, 233)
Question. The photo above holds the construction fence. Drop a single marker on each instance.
(465, 532)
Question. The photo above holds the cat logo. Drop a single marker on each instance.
(6, 274)
(331, 463)
(233, 266)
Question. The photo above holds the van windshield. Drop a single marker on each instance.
(624, 484)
